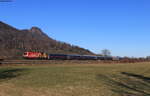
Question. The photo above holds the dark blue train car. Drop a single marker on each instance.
(74, 57)
(104, 58)
(100, 58)
(57, 56)
(88, 57)
(82, 57)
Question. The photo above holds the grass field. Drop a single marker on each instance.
(76, 80)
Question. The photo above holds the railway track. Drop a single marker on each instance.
(34, 62)
(15, 62)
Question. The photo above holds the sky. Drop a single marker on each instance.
(122, 26)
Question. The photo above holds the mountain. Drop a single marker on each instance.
(13, 42)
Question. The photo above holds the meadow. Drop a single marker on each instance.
(76, 80)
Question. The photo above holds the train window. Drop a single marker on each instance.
(25, 53)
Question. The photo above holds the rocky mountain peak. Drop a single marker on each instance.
(36, 30)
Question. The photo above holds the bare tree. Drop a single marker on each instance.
(148, 57)
(106, 52)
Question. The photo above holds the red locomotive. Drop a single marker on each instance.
(35, 55)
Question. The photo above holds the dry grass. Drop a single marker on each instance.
(76, 80)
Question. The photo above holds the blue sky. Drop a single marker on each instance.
(122, 26)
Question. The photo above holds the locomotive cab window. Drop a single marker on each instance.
(25, 53)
